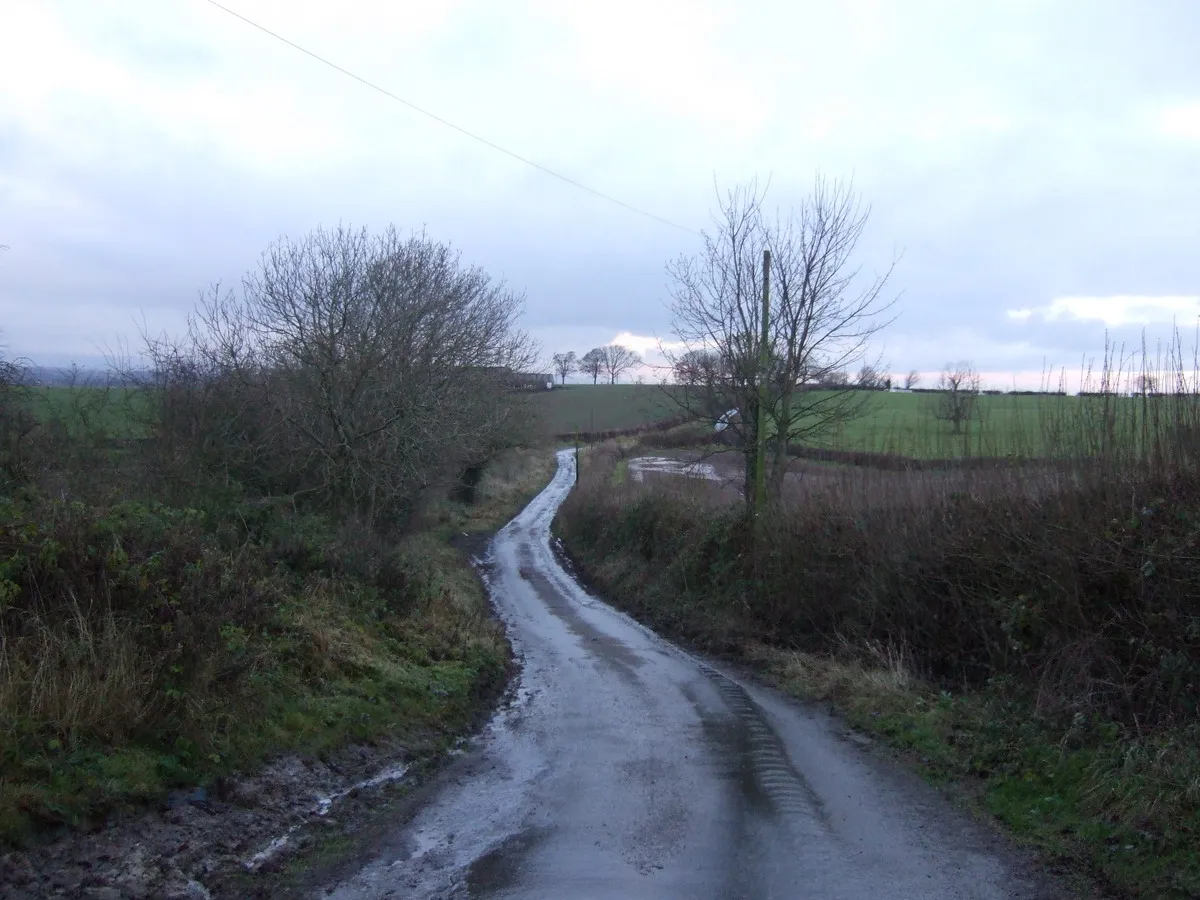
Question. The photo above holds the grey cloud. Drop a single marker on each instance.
(1078, 198)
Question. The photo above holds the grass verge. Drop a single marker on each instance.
(1115, 806)
(146, 647)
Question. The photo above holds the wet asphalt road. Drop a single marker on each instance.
(628, 768)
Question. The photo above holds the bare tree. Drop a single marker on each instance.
(593, 363)
(699, 384)
(912, 379)
(832, 379)
(959, 386)
(1145, 384)
(354, 369)
(618, 360)
(697, 367)
(824, 312)
(564, 364)
(869, 378)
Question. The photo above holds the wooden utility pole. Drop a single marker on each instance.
(764, 363)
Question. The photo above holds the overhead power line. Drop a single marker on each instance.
(391, 96)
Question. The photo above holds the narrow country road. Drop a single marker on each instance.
(626, 768)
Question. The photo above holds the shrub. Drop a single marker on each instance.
(1080, 585)
(116, 622)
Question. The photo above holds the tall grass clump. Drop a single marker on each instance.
(138, 641)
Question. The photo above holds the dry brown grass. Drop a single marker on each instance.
(871, 672)
(859, 488)
(84, 676)
(509, 482)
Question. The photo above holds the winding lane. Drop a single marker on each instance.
(627, 768)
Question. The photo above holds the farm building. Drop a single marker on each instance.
(532, 381)
(521, 381)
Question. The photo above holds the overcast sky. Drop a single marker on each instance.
(1038, 163)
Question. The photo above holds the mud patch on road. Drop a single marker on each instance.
(659, 835)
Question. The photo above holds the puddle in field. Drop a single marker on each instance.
(665, 465)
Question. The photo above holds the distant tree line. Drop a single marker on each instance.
(610, 361)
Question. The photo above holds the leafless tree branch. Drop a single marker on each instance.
(959, 387)
(564, 364)
(353, 367)
(617, 361)
(825, 313)
(593, 363)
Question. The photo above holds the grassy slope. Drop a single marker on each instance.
(97, 713)
(585, 407)
(112, 410)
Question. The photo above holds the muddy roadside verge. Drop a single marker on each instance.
(275, 833)
(295, 823)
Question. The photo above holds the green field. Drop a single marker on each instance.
(586, 407)
(561, 411)
(1008, 425)
(600, 407)
(113, 411)
(1001, 425)
(900, 423)
(897, 423)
